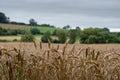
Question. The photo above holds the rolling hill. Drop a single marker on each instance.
(41, 28)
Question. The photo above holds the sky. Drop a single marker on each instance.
(82, 13)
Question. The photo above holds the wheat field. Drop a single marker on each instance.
(38, 61)
(12, 26)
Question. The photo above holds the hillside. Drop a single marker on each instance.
(41, 28)
(13, 26)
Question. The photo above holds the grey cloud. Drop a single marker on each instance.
(102, 8)
(101, 12)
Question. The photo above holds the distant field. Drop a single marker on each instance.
(42, 29)
(12, 26)
(11, 38)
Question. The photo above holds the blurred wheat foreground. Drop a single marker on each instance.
(59, 62)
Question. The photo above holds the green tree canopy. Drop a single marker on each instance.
(46, 37)
(62, 36)
(72, 35)
(32, 22)
(3, 18)
(98, 35)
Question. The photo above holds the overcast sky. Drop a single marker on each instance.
(83, 13)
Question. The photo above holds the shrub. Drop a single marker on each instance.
(98, 35)
(55, 41)
(4, 40)
(55, 32)
(15, 40)
(72, 36)
(35, 31)
(62, 36)
(12, 32)
(46, 37)
(28, 37)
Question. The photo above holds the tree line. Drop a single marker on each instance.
(88, 35)
(32, 22)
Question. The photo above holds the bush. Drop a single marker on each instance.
(21, 31)
(15, 40)
(72, 36)
(35, 31)
(55, 32)
(98, 35)
(46, 37)
(4, 40)
(55, 41)
(28, 37)
(3, 31)
(62, 36)
(12, 32)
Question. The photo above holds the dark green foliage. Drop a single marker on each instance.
(47, 25)
(55, 41)
(78, 32)
(3, 18)
(21, 31)
(113, 39)
(3, 31)
(55, 32)
(72, 36)
(18, 23)
(66, 27)
(78, 28)
(97, 35)
(12, 32)
(92, 39)
(106, 29)
(4, 40)
(27, 37)
(46, 37)
(116, 33)
(35, 31)
(32, 22)
(15, 40)
(62, 36)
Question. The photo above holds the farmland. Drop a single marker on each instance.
(42, 29)
(38, 61)
(12, 38)
(25, 28)
(12, 26)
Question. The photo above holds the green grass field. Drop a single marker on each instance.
(44, 29)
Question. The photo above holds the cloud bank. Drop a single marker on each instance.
(83, 13)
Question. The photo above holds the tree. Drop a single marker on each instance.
(66, 27)
(98, 35)
(78, 31)
(106, 29)
(62, 36)
(78, 28)
(72, 36)
(46, 37)
(32, 22)
(3, 18)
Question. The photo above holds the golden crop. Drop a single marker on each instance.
(56, 63)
